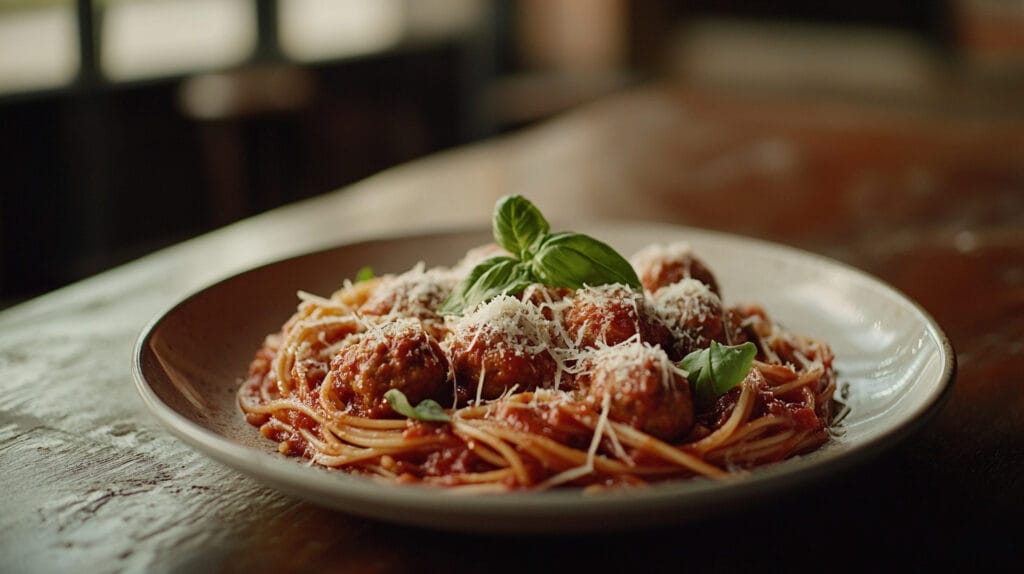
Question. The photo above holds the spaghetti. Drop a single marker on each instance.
(547, 387)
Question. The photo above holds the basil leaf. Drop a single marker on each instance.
(570, 260)
(519, 226)
(573, 260)
(364, 274)
(713, 371)
(428, 410)
(490, 278)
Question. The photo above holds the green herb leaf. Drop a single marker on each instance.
(569, 260)
(573, 260)
(428, 410)
(490, 278)
(364, 274)
(713, 371)
(519, 226)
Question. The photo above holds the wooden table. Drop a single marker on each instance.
(932, 203)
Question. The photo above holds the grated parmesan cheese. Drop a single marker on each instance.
(686, 300)
(655, 255)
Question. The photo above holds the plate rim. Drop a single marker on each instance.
(518, 512)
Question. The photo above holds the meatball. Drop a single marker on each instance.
(694, 315)
(607, 315)
(501, 344)
(547, 299)
(661, 265)
(644, 389)
(396, 355)
(414, 294)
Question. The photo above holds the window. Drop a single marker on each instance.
(322, 29)
(149, 38)
(48, 44)
(38, 45)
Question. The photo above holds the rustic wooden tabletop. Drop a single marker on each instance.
(931, 203)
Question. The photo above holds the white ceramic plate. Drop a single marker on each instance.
(896, 361)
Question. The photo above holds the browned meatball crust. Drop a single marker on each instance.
(642, 388)
(397, 355)
(694, 315)
(502, 344)
(607, 315)
(661, 265)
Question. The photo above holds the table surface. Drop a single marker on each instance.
(931, 203)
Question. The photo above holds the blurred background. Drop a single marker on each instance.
(128, 125)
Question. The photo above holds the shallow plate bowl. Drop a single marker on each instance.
(895, 360)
